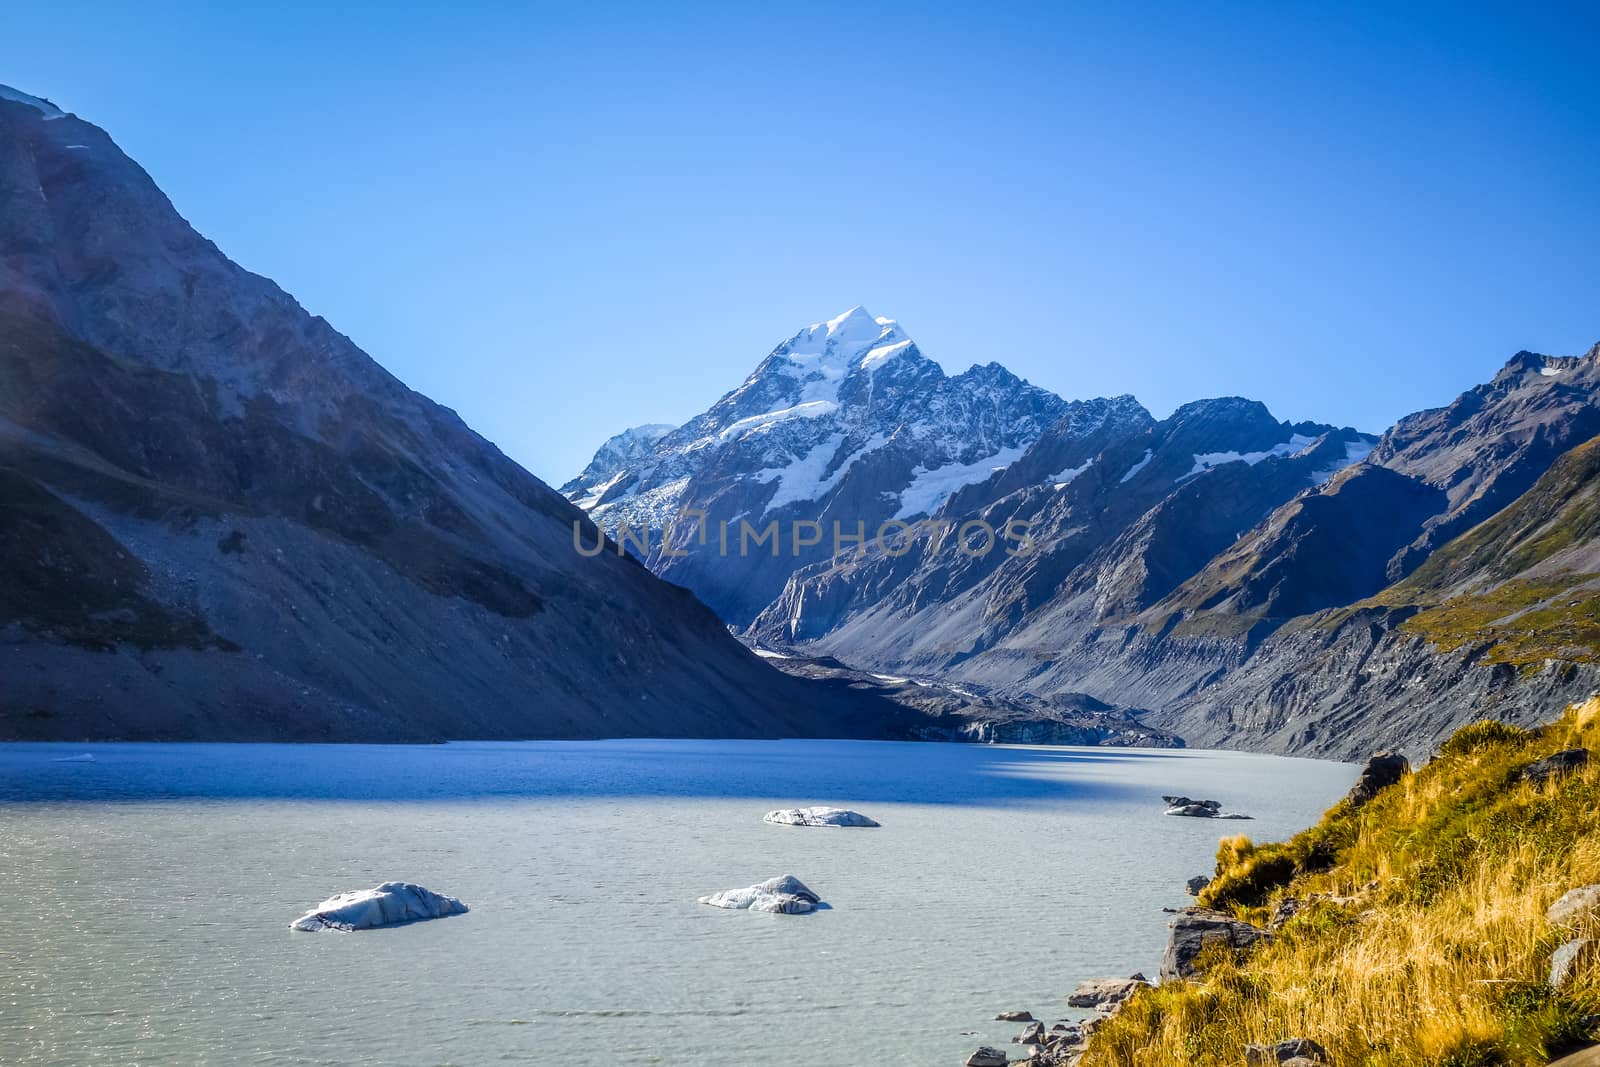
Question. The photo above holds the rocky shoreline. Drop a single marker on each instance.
(1194, 931)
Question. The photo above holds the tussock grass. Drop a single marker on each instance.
(1421, 936)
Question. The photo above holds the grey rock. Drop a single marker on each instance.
(1194, 885)
(1573, 905)
(1194, 929)
(1383, 769)
(1201, 809)
(1294, 1050)
(1105, 993)
(1014, 1017)
(1557, 765)
(1285, 910)
(1033, 1035)
(987, 1056)
(1565, 959)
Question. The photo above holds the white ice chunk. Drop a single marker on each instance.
(820, 816)
(786, 895)
(388, 904)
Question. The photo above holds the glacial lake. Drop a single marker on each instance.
(149, 892)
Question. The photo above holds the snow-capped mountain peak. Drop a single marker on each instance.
(846, 417)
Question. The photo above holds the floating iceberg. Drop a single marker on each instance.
(388, 904)
(821, 816)
(784, 896)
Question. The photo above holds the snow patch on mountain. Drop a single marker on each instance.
(1354, 452)
(807, 478)
(1133, 471)
(44, 107)
(930, 488)
(1064, 479)
(754, 424)
(1205, 461)
(823, 353)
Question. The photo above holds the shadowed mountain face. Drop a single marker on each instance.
(220, 519)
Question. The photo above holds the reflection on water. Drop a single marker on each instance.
(151, 890)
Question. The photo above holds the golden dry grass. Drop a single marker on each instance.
(1424, 940)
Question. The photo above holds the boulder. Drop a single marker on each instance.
(389, 904)
(784, 895)
(1286, 909)
(1196, 929)
(1565, 960)
(1105, 994)
(1014, 1017)
(1557, 765)
(1297, 1050)
(987, 1057)
(819, 816)
(1199, 809)
(1382, 770)
(1197, 883)
(1033, 1035)
(1573, 905)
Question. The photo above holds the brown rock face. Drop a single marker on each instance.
(1382, 770)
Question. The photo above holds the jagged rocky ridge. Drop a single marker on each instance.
(1248, 579)
(845, 422)
(220, 519)
(1263, 606)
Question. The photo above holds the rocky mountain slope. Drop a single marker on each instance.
(1254, 604)
(843, 427)
(220, 519)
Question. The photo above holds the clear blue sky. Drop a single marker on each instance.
(562, 220)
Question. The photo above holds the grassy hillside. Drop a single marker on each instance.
(1420, 937)
(1523, 585)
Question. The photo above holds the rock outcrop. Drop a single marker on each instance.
(1199, 809)
(1557, 765)
(388, 904)
(1573, 905)
(1106, 994)
(1195, 930)
(1383, 769)
(1298, 1050)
